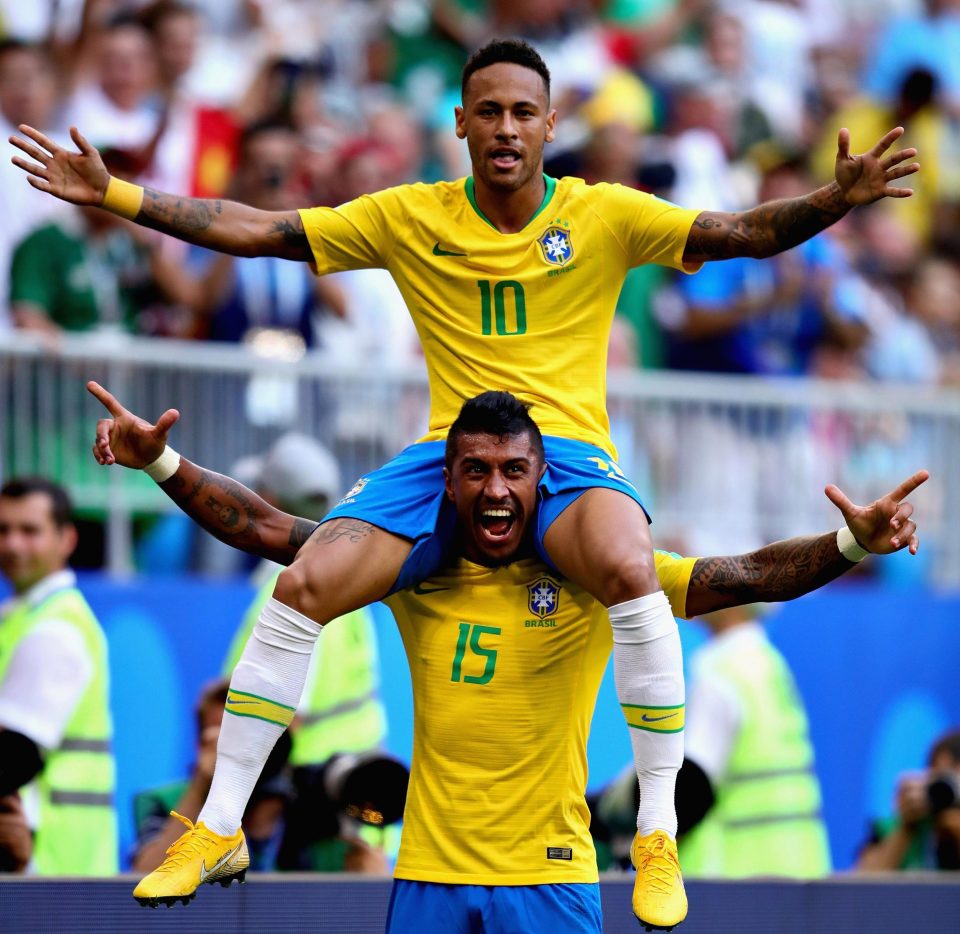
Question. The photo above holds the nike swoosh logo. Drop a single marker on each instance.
(420, 589)
(204, 872)
(647, 719)
(230, 700)
(437, 251)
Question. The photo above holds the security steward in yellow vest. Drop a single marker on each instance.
(748, 795)
(55, 725)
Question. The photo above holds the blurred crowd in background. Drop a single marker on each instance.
(713, 105)
(290, 103)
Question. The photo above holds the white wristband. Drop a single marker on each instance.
(849, 547)
(164, 467)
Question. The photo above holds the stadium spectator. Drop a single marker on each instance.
(196, 149)
(748, 798)
(924, 833)
(725, 45)
(115, 102)
(918, 108)
(766, 318)
(934, 297)
(899, 347)
(157, 827)
(290, 823)
(87, 271)
(926, 37)
(243, 296)
(778, 39)
(55, 725)
(28, 94)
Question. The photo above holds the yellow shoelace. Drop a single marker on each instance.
(659, 866)
(192, 843)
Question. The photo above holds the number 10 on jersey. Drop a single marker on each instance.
(516, 301)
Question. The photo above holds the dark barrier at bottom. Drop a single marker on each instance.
(352, 905)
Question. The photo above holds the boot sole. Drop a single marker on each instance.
(155, 901)
(646, 925)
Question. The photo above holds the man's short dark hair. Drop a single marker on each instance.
(61, 509)
(153, 15)
(493, 413)
(949, 745)
(513, 51)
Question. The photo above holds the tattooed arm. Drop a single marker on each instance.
(786, 570)
(781, 571)
(236, 515)
(227, 226)
(776, 226)
(219, 504)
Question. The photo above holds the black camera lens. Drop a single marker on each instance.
(943, 792)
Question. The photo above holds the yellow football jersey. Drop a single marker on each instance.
(505, 664)
(529, 312)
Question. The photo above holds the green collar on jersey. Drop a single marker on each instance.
(551, 184)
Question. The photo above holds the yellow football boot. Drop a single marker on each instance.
(659, 901)
(198, 856)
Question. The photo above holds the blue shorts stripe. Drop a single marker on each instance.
(406, 497)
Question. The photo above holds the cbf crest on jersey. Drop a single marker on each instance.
(544, 597)
(556, 245)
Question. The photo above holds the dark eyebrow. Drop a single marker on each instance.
(493, 103)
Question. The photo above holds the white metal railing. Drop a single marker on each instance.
(725, 463)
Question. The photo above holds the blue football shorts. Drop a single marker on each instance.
(559, 908)
(406, 497)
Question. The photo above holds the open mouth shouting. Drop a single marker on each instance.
(496, 524)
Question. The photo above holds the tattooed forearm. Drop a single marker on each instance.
(765, 230)
(219, 504)
(226, 226)
(781, 571)
(236, 515)
(227, 514)
(182, 217)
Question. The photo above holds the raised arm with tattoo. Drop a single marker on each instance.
(786, 570)
(218, 504)
(227, 226)
(776, 226)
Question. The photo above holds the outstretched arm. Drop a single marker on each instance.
(227, 226)
(786, 570)
(776, 226)
(236, 515)
(218, 504)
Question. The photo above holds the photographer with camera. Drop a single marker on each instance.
(925, 833)
(304, 818)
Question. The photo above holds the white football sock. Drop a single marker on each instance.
(264, 693)
(648, 671)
